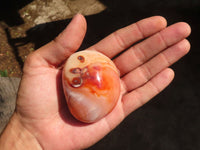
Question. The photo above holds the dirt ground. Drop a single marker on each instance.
(19, 23)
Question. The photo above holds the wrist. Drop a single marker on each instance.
(16, 136)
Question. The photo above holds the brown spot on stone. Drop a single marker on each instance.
(75, 70)
(76, 82)
(81, 59)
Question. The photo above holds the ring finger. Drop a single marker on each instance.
(145, 72)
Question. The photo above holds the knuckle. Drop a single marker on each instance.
(32, 60)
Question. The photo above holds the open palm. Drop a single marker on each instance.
(41, 105)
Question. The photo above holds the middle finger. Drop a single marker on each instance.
(142, 52)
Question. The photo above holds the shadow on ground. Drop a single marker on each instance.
(171, 120)
(9, 11)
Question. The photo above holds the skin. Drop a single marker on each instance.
(41, 119)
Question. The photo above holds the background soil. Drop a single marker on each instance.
(171, 121)
(22, 26)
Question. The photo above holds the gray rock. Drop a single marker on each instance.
(8, 92)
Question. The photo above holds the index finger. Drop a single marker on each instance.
(127, 36)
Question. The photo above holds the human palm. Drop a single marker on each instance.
(41, 104)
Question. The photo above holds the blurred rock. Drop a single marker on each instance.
(8, 90)
(39, 12)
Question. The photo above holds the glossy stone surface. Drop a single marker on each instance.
(91, 85)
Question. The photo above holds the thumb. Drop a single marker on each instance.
(67, 42)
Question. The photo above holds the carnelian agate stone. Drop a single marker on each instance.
(91, 85)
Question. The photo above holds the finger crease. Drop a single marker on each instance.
(152, 85)
(119, 40)
(140, 30)
(138, 94)
(139, 54)
(64, 49)
(163, 40)
(146, 73)
(164, 57)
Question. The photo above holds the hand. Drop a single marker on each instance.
(41, 108)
